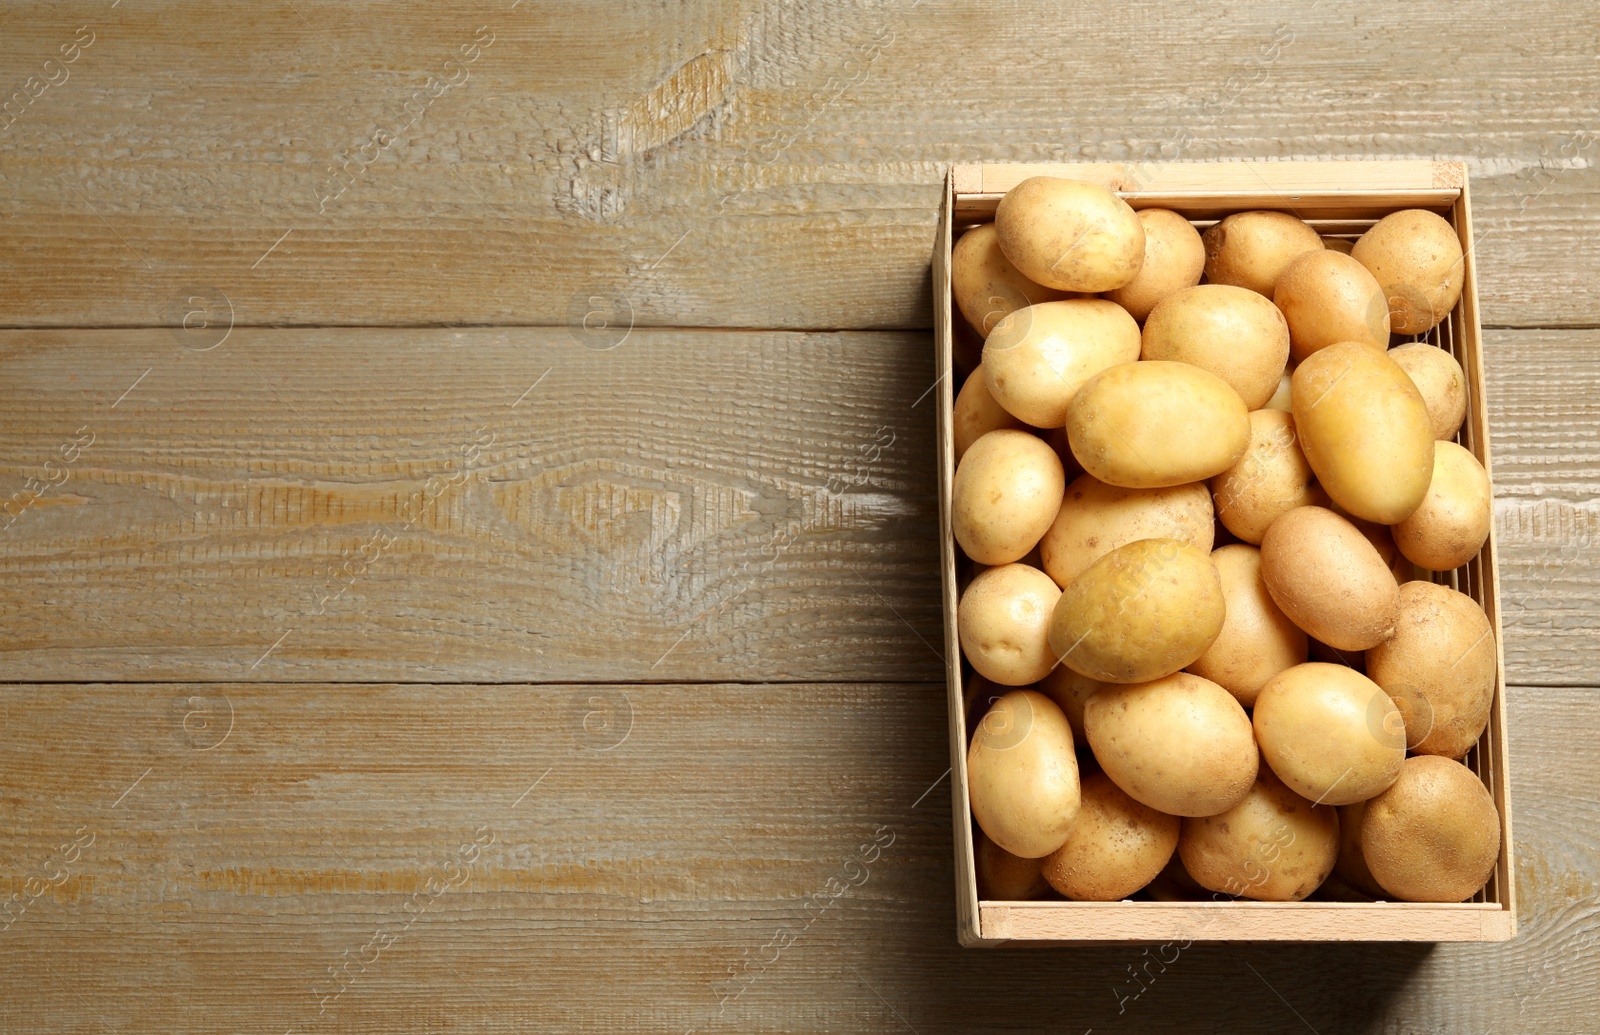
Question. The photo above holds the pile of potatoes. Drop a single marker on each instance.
(1199, 498)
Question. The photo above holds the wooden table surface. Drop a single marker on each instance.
(485, 575)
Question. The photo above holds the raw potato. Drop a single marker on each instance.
(1231, 331)
(1257, 640)
(1116, 847)
(1330, 733)
(985, 284)
(1435, 835)
(1142, 611)
(1174, 258)
(1005, 877)
(1327, 297)
(1352, 865)
(1252, 249)
(1270, 479)
(1328, 579)
(1151, 424)
(1004, 624)
(1180, 744)
(1096, 518)
(1453, 521)
(1036, 359)
(1365, 430)
(1070, 235)
(1417, 259)
(1283, 398)
(1273, 846)
(1006, 492)
(1022, 775)
(976, 414)
(1439, 666)
(1441, 382)
(1071, 692)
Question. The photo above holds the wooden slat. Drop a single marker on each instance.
(682, 485)
(627, 876)
(750, 166)
(692, 504)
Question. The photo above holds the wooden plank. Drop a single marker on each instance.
(630, 880)
(460, 505)
(729, 492)
(711, 170)
(1152, 922)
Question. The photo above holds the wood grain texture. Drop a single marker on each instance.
(744, 165)
(628, 876)
(500, 505)
(688, 504)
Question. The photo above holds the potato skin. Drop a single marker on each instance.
(1439, 667)
(1234, 332)
(1022, 775)
(1441, 382)
(1069, 234)
(1142, 611)
(1352, 865)
(1433, 836)
(1252, 249)
(976, 413)
(1096, 518)
(1152, 424)
(1257, 641)
(1328, 297)
(1272, 846)
(1116, 846)
(1071, 692)
(1329, 579)
(1270, 479)
(986, 286)
(1006, 492)
(1452, 523)
(1174, 258)
(1036, 359)
(1416, 258)
(1003, 876)
(1179, 744)
(1365, 431)
(1329, 733)
(1004, 624)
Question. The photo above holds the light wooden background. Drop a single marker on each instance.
(531, 601)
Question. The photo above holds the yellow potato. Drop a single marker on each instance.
(1440, 381)
(1435, 835)
(1071, 692)
(1451, 525)
(1116, 846)
(1417, 260)
(985, 284)
(1022, 775)
(1352, 865)
(1152, 424)
(1329, 579)
(1142, 611)
(1439, 666)
(1327, 297)
(1252, 249)
(1070, 235)
(1174, 258)
(1257, 640)
(1270, 479)
(1005, 877)
(1004, 624)
(1329, 733)
(1231, 331)
(1036, 359)
(1273, 846)
(1180, 744)
(1365, 430)
(1283, 397)
(976, 414)
(1096, 518)
(1006, 492)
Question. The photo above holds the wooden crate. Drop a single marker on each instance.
(1336, 198)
